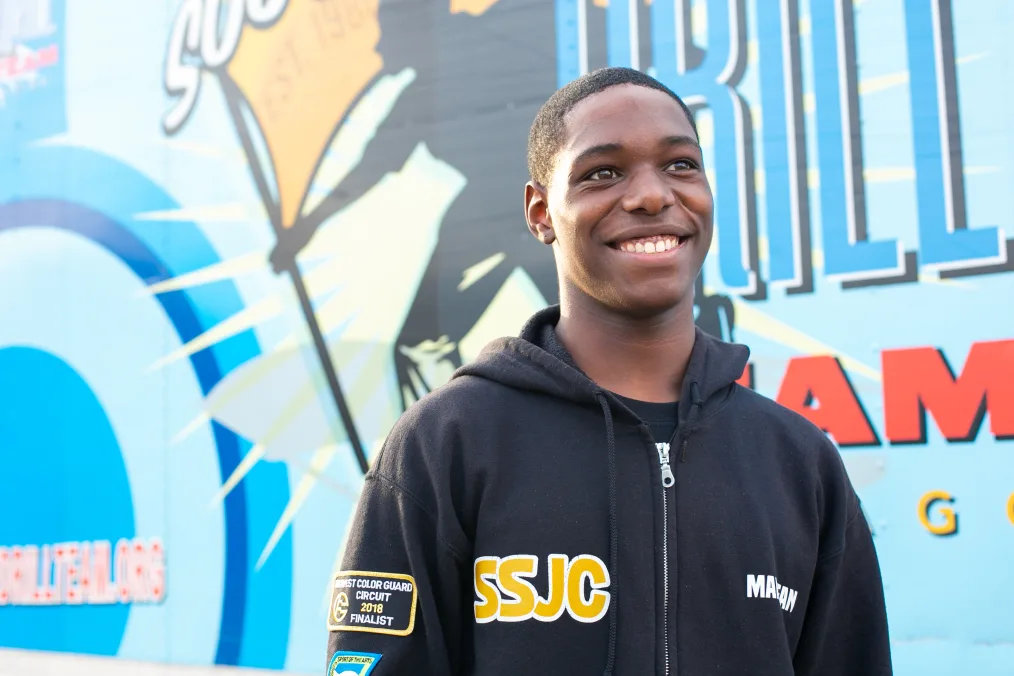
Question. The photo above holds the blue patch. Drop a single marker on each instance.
(352, 664)
(89, 501)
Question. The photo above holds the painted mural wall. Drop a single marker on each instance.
(238, 238)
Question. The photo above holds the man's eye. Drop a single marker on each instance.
(683, 165)
(602, 175)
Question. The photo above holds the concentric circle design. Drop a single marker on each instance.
(97, 222)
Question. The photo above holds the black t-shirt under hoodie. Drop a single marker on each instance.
(660, 416)
(516, 521)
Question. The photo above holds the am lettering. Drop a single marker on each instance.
(920, 381)
(574, 586)
(919, 384)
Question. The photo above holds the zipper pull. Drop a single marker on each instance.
(663, 460)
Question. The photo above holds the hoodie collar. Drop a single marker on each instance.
(537, 361)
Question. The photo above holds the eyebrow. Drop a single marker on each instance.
(608, 148)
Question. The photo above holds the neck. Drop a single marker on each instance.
(640, 358)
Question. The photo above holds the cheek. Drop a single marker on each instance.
(566, 219)
(573, 249)
(701, 202)
(582, 212)
(561, 222)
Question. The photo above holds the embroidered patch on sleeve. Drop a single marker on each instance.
(352, 664)
(381, 603)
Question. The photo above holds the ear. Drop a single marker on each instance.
(537, 212)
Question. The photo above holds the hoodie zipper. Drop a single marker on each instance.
(667, 481)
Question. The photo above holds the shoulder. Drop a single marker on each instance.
(428, 439)
(767, 418)
(463, 401)
(809, 461)
(799, 443)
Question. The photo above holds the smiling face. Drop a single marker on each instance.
(628, 208)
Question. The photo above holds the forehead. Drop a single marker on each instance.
(624, 114)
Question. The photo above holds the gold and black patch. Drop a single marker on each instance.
(381, 603)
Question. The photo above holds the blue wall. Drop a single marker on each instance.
(218, 237)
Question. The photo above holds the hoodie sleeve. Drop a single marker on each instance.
(845, 632)
(398, 602)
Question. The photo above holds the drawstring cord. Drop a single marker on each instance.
(613, 531)
(698, 403)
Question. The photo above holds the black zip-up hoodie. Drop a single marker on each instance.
(526, 507)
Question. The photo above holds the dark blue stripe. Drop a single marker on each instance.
(147, 266)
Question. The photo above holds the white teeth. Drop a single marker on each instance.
(654, 245)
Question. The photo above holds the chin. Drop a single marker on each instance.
(645, 305)
(638, 296)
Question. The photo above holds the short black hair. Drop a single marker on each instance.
(549, 130)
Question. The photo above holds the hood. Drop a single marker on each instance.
(537, 362)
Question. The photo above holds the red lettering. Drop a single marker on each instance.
(12, 66)
(157, 571)
(4, 576)
(86, 570)
(83, 572)
(16, 579)
(101, 589)
(121, 568)
(746, 380)
(49, 56)
(818, 389)
(45, 576)
(30, 574)
(919, 380)
(70, 574)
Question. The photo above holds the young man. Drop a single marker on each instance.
(599, 495)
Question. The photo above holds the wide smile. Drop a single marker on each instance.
(653, 247)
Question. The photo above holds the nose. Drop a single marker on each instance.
(648, 191)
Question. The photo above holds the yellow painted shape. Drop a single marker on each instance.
(300, 77)
(950, 524)
(473, 7)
